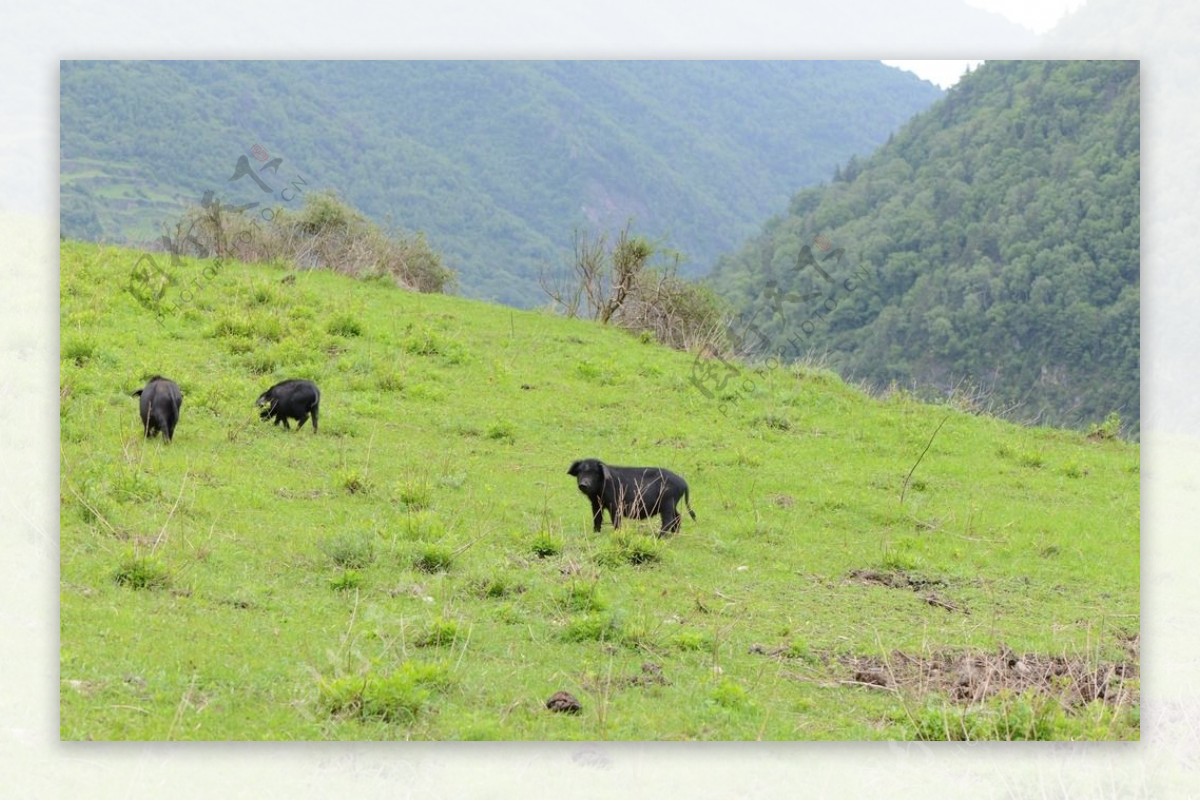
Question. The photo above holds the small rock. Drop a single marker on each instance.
(564, 702)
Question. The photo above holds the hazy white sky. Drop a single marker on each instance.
(1038, 16)
(944, 72)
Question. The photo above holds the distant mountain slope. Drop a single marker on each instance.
(992, 243)
(498, 162)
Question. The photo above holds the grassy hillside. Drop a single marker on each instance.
(496, 161)
(423, 567)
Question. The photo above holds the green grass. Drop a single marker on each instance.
(247, 582)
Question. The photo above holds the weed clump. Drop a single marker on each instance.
(1031, 459)
(423, 527)
(502, 431)
(397, 697)
(389, 381)
(728, 694)
(582, 598)
(546, 544)
(433, 559)
(345, 325)
(1006, 716)
(498, 586)
(354, 482)
(630, 549)
(1109, 429)
(142, 573)
(79, 351)
(773, 421)
(351, 550)
(591, 627)
(438, 632)
(691, 641)
(428, 343)
(415, 494)
(349, 580)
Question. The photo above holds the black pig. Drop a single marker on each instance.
(636, 492)
(159, 406)
(294, 399)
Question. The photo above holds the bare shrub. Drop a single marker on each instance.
(327, 233)
(621, 284)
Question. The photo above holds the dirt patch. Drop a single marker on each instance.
(901, 580)
(84, 686)
(1132, 643)
(300, 495)
(974, 676)
(897, 579)
(968, 677)
(651, 675)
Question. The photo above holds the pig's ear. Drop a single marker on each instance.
(573, 470)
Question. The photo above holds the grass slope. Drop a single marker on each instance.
(423, 567)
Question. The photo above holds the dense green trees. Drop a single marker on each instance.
(998, 238)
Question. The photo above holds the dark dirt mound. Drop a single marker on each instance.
(563, 701)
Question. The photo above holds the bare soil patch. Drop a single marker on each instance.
(901, 580)
(969, 677)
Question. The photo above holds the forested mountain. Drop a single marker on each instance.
(991, 245)
(497, 162)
